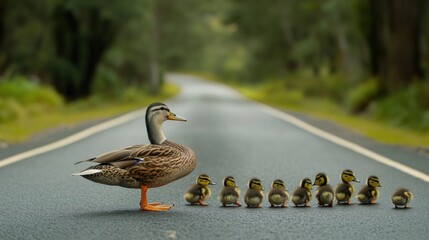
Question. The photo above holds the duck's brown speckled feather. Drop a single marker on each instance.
(149, 164)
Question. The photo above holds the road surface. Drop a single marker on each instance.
(39, 199)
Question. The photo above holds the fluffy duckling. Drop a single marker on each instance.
(325, 193)
(254, 194)
(402, 197)
(369, 193)
(344, 190)
(199, 192)
(302, 194)
(229, 193)
(278, 195)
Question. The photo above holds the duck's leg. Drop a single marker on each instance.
(200, 202)
(145, 206)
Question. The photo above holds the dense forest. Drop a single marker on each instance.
(369, 56)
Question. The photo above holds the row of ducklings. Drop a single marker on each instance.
(278, 195)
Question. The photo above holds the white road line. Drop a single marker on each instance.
(344, 143)
(73, 138)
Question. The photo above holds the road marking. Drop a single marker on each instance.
(344, 143)
(73, 138)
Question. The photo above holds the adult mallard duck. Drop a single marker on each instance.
(145, 166)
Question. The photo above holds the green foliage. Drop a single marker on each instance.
(21, 98)
(405, 108)
(361, 96)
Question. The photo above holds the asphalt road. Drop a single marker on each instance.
(39, 199)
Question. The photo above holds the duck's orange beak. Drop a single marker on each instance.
(174, 117)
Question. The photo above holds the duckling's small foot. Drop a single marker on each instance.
(237, 204)
(200, 202)
(284, 205)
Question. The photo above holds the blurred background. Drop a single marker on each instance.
(63, 61)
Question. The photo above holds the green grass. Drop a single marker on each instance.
(22, 127)
(321, 108)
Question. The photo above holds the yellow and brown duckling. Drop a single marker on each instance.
(402, 197)
(145, 166)
(230, 194)
(254, 195)
(277, 196)
(199, 192)
(369, 193)
(345, 190)
(302, 195)
(324, 193)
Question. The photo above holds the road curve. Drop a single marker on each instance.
(231, 136)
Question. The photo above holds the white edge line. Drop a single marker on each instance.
(73, 138)
(342, 142)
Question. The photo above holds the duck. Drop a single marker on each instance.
(277, 196)
(254, 195)
(401, 197)
(145, 166)
(324, 193)
(344, 190)
(302, 195)
(230, 193)
(199, 192)
(369, 193)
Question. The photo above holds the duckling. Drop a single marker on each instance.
(344, 190)
(278, 195)
(230, 192)
(254, 194)
(199, 192)
(302, 195)
(369, 193)
(402, 197)
(325, 193)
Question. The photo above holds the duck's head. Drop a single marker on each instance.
(348, 176)
(373, 181)
(256, 184)
(156, 114)
(278, 183)
(321, 179)
(229, 182)
(204, 180)
(306, 183)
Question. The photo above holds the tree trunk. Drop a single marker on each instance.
(154, 55)
(377, 39)
(403, 45)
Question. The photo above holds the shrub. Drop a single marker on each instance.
(405, 108)
(21, 98)
(359, 98)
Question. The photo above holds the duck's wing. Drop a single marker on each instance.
(129, 156)
(156, 161)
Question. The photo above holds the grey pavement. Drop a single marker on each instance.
(39, 199)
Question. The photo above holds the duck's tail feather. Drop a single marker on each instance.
(87, 172)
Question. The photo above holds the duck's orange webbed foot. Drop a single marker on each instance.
(155, 206)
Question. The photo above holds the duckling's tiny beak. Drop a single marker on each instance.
(356, 180)
(314, 184)
(174, 117)
(212, 183)
(379, 185)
